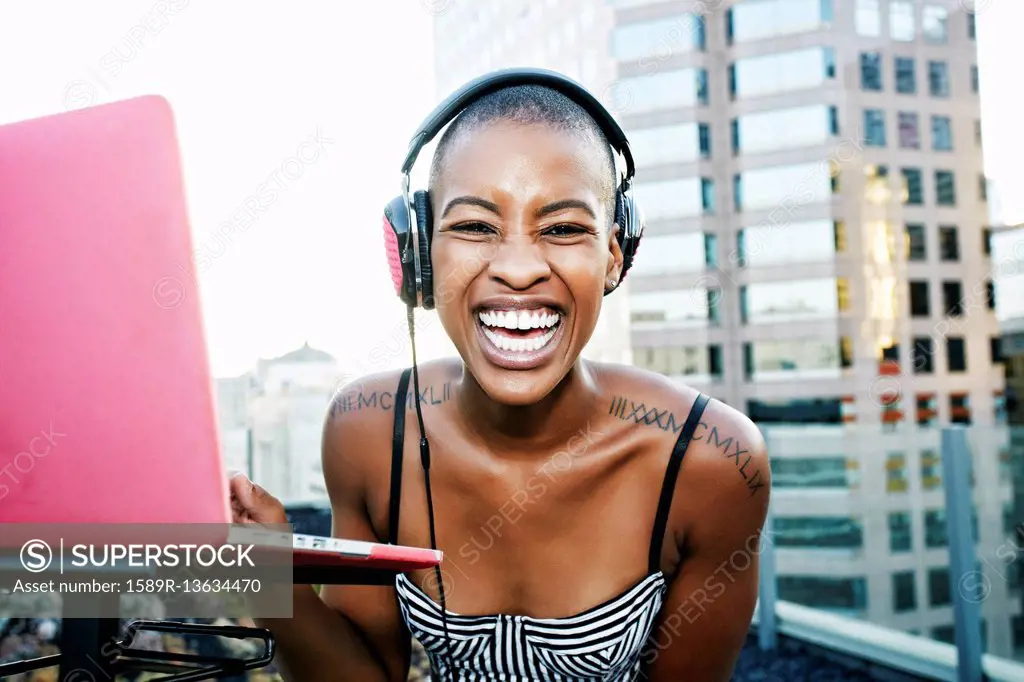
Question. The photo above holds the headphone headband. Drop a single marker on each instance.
(451, 107)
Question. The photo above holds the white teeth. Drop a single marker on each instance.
(509, 344)
(522, 319)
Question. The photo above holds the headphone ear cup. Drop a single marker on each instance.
(425, 226)
(631, 229)
(396, 239)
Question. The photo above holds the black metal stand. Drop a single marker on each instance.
(90, 646)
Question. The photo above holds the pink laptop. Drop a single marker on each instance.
(107, 408)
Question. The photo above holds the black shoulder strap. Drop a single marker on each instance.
(397, 450)
(668, 487)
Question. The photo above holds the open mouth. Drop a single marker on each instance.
(519, 339)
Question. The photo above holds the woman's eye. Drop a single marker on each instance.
(472, 228)
(566, 230)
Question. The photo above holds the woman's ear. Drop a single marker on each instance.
(614, 269)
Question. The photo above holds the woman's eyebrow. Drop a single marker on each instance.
(471, 201)
(564, 204)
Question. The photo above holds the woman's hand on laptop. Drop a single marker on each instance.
(252, 504)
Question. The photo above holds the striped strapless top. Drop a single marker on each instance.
(605, 643)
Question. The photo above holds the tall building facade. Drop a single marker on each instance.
(816, 253)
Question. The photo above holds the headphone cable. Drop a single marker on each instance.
(425, 460)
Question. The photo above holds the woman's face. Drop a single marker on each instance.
(522, 253)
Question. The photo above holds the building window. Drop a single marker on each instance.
(737, 192)
(752, 21)
(896, 472)
(715, 361)
(799, 411)
(839, 235)
(904, 595)
(931, 470)
(956, 354)
(874, 127)
(938, 79)
(986, 241)
(845, 352)
(710, 249)
(673, 253)
(891, 353)
(704, 140)
(734, 136)
(945, 188)
(977, 132)
(813, 472)
(921, 356)
(868, 18)
(901, 534)
(702, 86)
(689, 361)
(916, 243)
(982, 188)
(901, 21)
(975, 85)
(990, 294)
(818, 532)
(843, 294)
(910, 138)
(953, 298)
(934, 24)
(927, 409)
(667, 89)
(938, 584)
(949, 245)
(846, 594)
(871, 71)
(942, 134)
(828, 61)
(758, 132)
(914, 186)
(972, 28)
(906, 77)
(995, 351)
(664, 144)
(920, 306)
(833, 120)
(707, 195)
(658, 39)
(960, 413)
(714, 311)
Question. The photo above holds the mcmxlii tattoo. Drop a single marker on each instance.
(385, 400)
(731, 448)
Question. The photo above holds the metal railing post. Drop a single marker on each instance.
(963, 568)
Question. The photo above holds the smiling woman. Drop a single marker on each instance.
(566, 556)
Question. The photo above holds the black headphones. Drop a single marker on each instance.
(408, 241)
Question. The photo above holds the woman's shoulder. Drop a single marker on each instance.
(361, 414)
(725, 444)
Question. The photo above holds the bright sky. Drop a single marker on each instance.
(252, 81)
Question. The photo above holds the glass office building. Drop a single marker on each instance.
(816, 255)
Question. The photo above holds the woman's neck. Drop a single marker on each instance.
(560, 414)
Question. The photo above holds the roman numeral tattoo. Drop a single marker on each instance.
(385, 400)
(730, 448)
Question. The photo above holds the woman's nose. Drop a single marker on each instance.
(519, 262)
